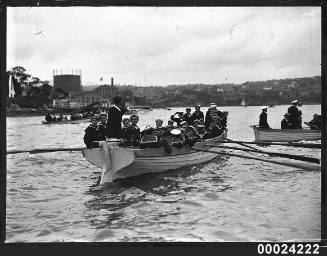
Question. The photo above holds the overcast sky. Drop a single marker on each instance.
(160, 46)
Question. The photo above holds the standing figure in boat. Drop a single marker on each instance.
(285, 123)
(197, 114)
(187, 117)
(295, 115)
(102, 125)
(315, 123)
(263, 123)
(91, 135)
(115, 113)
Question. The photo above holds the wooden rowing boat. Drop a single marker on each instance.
(286, 135)
(122, 162)
(77, 121)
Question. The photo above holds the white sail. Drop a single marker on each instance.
(243, 103)
(11, 87)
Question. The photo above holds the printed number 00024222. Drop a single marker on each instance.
(287, 249)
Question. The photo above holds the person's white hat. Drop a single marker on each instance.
(264, 107)
(294, 101)
(175, 131)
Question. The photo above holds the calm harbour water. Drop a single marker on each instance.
(54, 197)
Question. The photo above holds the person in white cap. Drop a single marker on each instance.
(263, 123)
(294, 115)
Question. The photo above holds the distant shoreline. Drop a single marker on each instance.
(25, 112)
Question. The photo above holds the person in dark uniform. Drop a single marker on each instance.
(115, 113)
(187, 117)
(213, 131)
(285, 124)
(210, 114)
(92, 134)
(177, 117)
(197, 114)
(315, 123)
(48, 118)
(159, 131)
(263, 124)
(102, 125)
(294, 115)
(190, 133)
(135, 133)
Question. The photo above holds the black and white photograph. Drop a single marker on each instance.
(163, 124)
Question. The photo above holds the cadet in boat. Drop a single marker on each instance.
(125, 134)
(159, 131)
(91, 135)
(135, 134)
(285, 123)
(295, 115)
(199, 128)
(170, 126)
(197, 114)
(211, 115)
(177, 117)
(315, 123)
(187, 117)
(102, 125)
(263, 123)
(213, 131)
(174, 139)
(190, 134)
(48, 118)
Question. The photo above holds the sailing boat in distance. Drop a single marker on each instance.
(243, 103)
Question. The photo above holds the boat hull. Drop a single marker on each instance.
(150, 160)
(68, 121)
(285, 135)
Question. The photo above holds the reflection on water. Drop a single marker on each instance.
(56, 196)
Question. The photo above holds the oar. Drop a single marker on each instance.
(304, 166)
(296, 157)
(43, 150)
(240, 143)
(299, 145)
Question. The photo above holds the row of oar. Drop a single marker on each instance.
(248, 148)
(304, 164)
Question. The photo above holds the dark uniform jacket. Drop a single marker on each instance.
(263, 124)
(284, 124)
(102, 131)
(188, 118)
(91, 135)
(294, 117)
(114, 129)
(197, 115)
